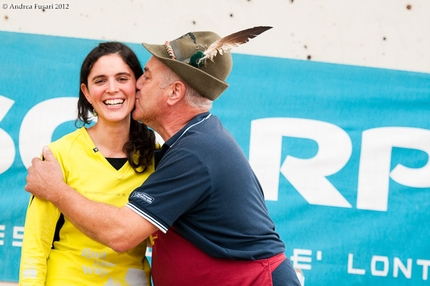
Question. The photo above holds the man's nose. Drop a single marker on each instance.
(139, 82)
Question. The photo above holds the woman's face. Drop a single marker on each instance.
(111, 88)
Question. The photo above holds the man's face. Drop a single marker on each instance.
(149, 97)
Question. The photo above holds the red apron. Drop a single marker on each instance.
(176, 262)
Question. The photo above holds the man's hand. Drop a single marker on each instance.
(44, 177)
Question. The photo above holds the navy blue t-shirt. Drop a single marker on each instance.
(204, 187)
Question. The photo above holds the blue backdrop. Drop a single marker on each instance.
(342, 153)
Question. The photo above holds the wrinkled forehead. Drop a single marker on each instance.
(153, 64)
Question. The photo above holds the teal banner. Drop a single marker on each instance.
(342, 153)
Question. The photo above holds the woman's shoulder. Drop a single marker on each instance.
(66, 141)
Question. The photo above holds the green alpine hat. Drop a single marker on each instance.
(207, 78)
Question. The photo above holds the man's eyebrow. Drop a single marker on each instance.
(147, 70)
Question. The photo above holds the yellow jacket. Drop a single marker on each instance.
(72, 258)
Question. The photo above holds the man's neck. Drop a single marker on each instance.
(176, 121)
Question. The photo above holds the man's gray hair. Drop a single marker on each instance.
(191, 95)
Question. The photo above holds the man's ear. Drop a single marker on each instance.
(176, 92)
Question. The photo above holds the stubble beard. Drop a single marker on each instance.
(147, 118)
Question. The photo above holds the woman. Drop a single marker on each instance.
(105, 162)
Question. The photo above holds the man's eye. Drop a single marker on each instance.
(145, 76)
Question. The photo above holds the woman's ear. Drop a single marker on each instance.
(85, 91)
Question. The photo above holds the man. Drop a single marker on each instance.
(203, 204)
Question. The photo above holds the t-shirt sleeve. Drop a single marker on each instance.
(179, 186)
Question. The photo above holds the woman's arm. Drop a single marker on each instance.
(39, 229)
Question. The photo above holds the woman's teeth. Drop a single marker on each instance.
(114, 101)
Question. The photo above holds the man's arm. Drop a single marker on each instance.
(119, 228)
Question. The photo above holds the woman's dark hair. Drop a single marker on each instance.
(141, 144)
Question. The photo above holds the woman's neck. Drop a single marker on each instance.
(110, 138)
